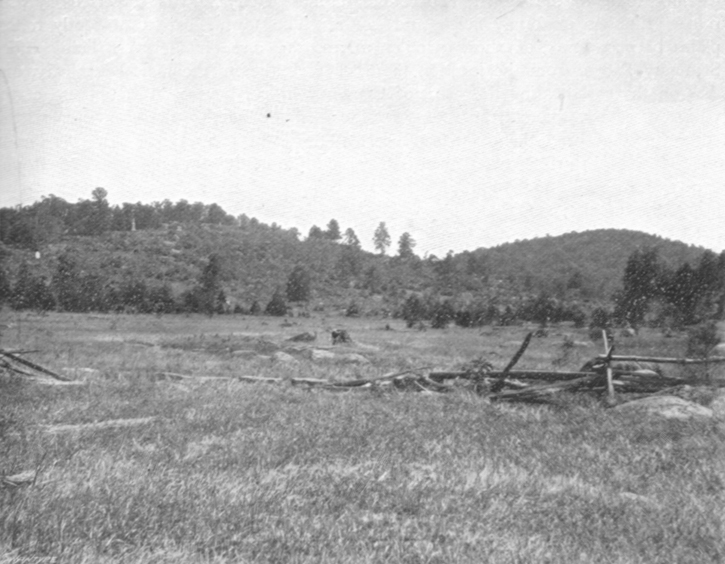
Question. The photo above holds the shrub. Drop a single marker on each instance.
(601, 319)
(353, 310)
(255, 309)
(443, 314)
(276, 306)
(701, 339)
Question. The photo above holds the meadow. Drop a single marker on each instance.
(221, 470)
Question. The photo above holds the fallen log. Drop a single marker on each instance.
(258, 379)
(102, 425)
(363, 381)
(309, 381)
(662, 360)
(20, 360)
(518, 374)
(535, 393)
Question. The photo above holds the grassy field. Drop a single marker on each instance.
(228, 471)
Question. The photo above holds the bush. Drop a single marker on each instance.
(353, 310)
(701, 339)
(443, 314)
(276, 306)
(601, 319)
(255, 309)
(413, 310)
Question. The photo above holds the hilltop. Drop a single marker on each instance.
(591, 261)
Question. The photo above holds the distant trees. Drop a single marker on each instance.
(211, 296)
(406, 243)
(31, 291)
(46, 221)
(333, 231)
(277, 305)
(413, 310)
(443, 314)
(5, 287)
(316, 233)
(381, 238)
(640, 285)
(686, 294)
(67, 285)
(351, 238)
(298, 285)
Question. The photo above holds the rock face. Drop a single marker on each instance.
(669, 407)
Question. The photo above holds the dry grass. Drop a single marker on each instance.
(229, 471)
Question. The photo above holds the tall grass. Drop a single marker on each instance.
(260, 473)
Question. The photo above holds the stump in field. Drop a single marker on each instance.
(340, 336)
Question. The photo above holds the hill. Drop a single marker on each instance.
(591, 262)
(257, 259)
(109, 257)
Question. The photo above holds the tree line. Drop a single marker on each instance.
(52, 217)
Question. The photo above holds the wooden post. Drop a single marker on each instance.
(608, 352)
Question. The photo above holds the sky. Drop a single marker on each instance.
(467, 123)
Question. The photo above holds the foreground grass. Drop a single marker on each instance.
(256, 473)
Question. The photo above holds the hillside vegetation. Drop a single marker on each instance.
(195, 257)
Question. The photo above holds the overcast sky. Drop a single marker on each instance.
(467, 123)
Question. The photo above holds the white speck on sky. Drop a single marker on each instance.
(466, 123)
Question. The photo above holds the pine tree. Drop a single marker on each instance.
(351, 238)
(333, 231)
(316, 233)
(381, 238)
(298, 285)
(276, 305)
(642, 282)
(210, 285)
(406, 243)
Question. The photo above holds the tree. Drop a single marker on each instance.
(298, 285)
(316, 233)
(5, 288)
(709, 282)
(100, 217)
(134, 294)
(642, 282)
(349, 264)
(446, 272)
(210, 285)
(683, 293)
(381, 238)
(406, 243)
(255, 308)
(413, 310)
(66, 283)
(443, 314)
(333, 231)
(161, 299)
(30, 292)
(351, 238)
(276, 305)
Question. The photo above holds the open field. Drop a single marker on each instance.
(220, 470)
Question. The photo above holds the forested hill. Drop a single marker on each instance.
(591, 261)
(93, 256)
